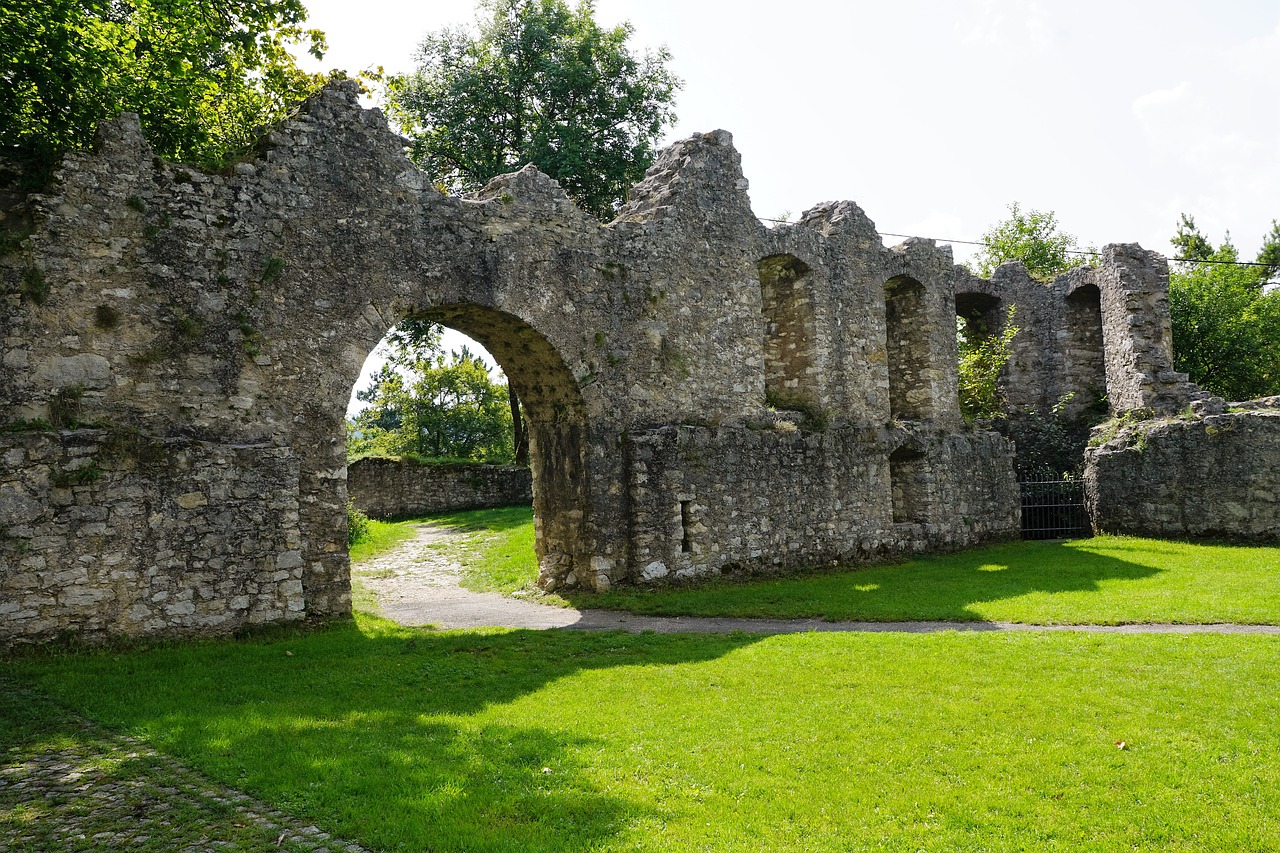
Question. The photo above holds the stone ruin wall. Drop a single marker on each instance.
(704, 394)
(391, 489)
(1096, 338)
(229, 315)
(1180, 463)
(1207, 474)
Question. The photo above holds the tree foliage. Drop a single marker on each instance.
(205, 76)
(1226, 321)
(1035, 239)
(982, 358)
(424, 403)
(539, 82)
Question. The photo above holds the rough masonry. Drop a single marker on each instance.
(705, 394)
(393, 488)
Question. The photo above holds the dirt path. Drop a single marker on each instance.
(417, 583)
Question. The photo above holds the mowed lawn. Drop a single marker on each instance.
(406, 739)
(1107, 580)
(414, 740)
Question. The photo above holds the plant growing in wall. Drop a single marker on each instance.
(981, 362)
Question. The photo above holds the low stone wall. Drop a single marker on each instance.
(711, 500)
(389, 488)
(1216, 476)
(112, 533)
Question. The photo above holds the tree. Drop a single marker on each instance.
(414, 341)
(1035, 239)
(205, 76)
(1226, 321)
(540, 83)
(982, 357)
(428, 404)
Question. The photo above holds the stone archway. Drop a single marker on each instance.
(981, 315)
(557, 425)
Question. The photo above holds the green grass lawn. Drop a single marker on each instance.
(1106, 580)
(381, 536)
(108, 787)
(405, 739)
(495, 551)
(497, 554)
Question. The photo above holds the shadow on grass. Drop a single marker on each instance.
(470, 521)
(380, 734)
(942, 587)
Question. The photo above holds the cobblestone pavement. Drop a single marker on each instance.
(80, 787)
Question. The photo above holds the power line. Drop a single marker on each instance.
(1067, 251)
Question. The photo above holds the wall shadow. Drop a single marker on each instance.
(375, 726)
(944, 587)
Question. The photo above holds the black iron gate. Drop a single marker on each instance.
(1054, 509)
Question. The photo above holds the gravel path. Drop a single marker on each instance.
(417, 584)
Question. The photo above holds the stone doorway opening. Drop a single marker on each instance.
(545, 401)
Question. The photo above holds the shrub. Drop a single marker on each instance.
(357, 524)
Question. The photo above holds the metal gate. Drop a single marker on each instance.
(1054, 509)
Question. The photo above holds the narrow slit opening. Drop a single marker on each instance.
(685, 545)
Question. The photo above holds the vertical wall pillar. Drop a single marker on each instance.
(1137, 334)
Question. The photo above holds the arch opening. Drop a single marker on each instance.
(1084, 367)
(907, 350)
(909, 483)
(788, 332)
(978, 316)
(554, 420)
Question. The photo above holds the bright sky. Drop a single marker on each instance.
(934, 116)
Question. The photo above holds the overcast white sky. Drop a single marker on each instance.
(934, 116)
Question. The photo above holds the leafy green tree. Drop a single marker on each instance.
(539, 82)
(1226, 321)
(205, 76)
(414, 341)
(1035, 239)
(982, 358)
(428, 404)
(458, 411)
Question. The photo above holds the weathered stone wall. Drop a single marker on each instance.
(1093, 341)
(711, 500)
(234, 311)
(1211, 475)
(1097, 333)
(389, 488)
(108, 533)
